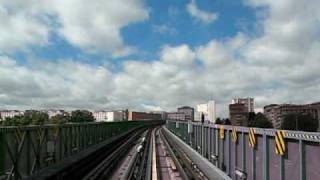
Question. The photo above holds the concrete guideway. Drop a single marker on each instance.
(165, 165)
(211, 171)
(154, 157)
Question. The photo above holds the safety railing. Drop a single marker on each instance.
(25, 150)
(254, 153)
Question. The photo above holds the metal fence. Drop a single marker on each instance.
(254, 153)
(25, 150)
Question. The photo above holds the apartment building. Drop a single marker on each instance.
(276, 112)
(10, 114)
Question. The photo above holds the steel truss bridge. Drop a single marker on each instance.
(157, 150)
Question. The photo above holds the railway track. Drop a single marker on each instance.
(107, 165)
(134, 165)
(144, 154)
(154, 157)
(183, 160)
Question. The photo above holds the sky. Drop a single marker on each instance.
(157, 55)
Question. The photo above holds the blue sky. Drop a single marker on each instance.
(233, 16)
(157, 55)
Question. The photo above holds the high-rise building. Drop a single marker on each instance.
(276, 112)
(208, 110)
(239, 110)
(188, 111)
(238, 114)
(248, 103)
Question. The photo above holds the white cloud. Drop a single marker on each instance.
(281, 65)
(93, 27)
(164, 29)
(99, 29)
(204, 16)
(62, 84)
(20, 31)
(274, 68)
(178, 55)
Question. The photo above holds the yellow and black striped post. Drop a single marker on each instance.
(252, 137)
(234, 134)
(279, 142)
(221, 132)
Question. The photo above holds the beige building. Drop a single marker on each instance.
(276, 112)
(188, 111)
(176, 116)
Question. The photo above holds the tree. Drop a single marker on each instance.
(202, 118)
(81, 116)
(36, 117)
(227, 122)
(218, 121)
(15, 121)
(8, 122)
(260, 121)
(60, 119)
(251, 118)
(300, 122)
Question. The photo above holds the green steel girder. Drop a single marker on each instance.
(26, 150)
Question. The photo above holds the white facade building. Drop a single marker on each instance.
(208, 110)
(10, 114)
(100, 116)
(108, 116)
(197, 116)
(52, 113)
